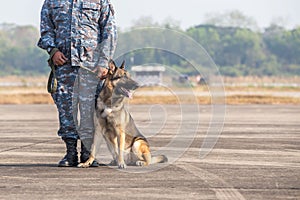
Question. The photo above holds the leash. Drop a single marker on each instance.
(52, 80)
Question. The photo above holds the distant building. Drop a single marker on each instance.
(148, 75)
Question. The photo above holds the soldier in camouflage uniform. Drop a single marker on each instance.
(77, 33)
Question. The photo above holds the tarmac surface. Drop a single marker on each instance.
(257, 155)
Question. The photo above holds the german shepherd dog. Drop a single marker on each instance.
(124, 141)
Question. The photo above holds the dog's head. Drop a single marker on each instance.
(120, 81)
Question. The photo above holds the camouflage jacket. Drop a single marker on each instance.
(84, 30)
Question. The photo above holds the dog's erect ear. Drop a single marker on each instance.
(123, 65)
(112, 66)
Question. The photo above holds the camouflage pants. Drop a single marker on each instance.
(76, 89)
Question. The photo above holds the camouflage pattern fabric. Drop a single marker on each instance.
(84, 95)
(85, 32)
(63, 99)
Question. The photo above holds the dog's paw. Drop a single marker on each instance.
(122, 166)
(140, 163)
(83, 165)
(87, 164)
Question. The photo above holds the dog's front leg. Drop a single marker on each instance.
(92, 156)
(121, 137)
(91, 159)
(113, 147)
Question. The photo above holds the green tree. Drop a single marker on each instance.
(285, 45)
(19, 54)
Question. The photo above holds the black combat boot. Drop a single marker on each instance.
(85, 152)
(71, 158)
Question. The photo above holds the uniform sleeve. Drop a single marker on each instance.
(108, 34)
(47, 27)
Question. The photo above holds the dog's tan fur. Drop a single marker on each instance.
(125, 142)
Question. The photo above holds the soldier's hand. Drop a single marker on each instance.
(59, 59)
(102, 73)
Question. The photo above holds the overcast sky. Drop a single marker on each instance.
(188, 12)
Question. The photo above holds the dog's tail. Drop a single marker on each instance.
(159, 159)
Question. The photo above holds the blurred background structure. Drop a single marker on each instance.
(253, 43)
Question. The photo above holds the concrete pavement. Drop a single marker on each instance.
(257, 156)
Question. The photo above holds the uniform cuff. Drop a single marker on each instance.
(53, 51)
